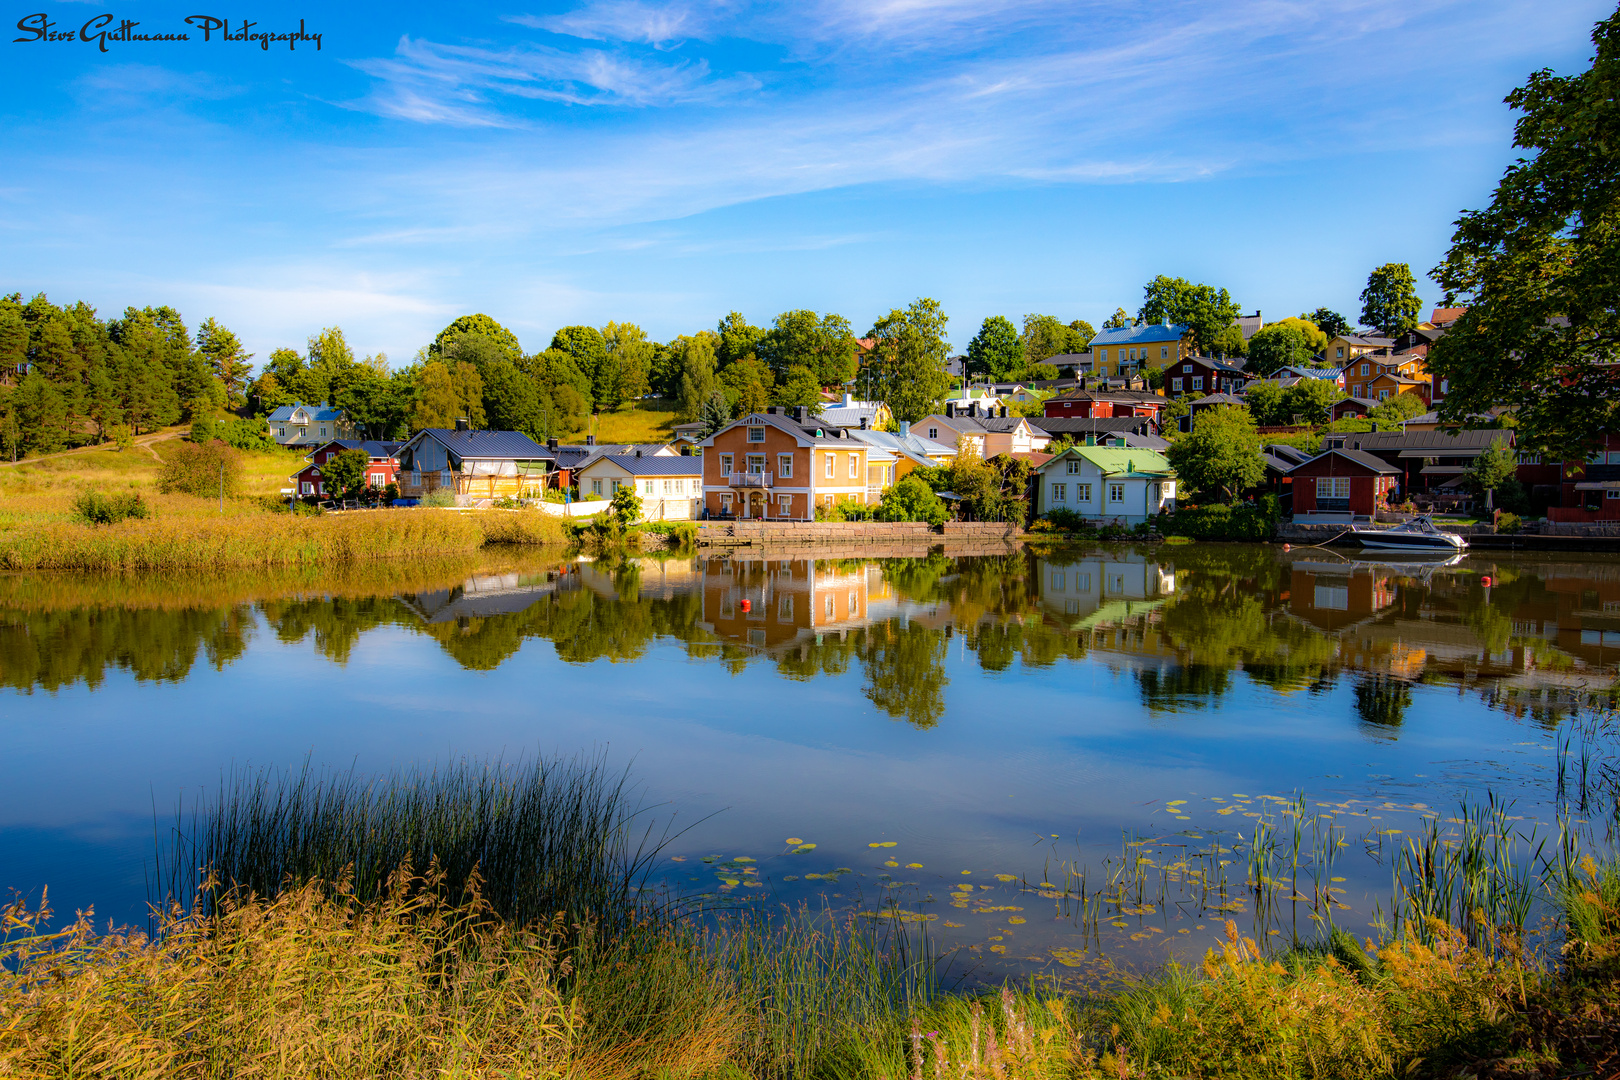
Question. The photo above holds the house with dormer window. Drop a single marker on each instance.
(784, 466)
(309, 425)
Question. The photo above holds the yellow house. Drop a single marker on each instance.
(1360, 375)
(1347, 348)
(1387, 385)
(1127, 350)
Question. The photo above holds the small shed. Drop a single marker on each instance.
(1343, 482)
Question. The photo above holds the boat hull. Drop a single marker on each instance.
(1394, 541)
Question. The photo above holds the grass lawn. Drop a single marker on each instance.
(264, 472)
(649, 421)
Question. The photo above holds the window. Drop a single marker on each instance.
(1445, 386)
(1198, 382)
(1175, 385)
(933, 433)
(1132, 354)
(669, 487)
(756, 464)
(1186, 368)
(1339, 352)
(1059, 493)
(784, 466)
(784, 607)
(1614, 457)
(1102, 354)
(1164, 352)
(1332, 487)
(1611, 494)
(1057, 580)
(445, 479)
(784, 507)
(378, 480)
(725, 464)
(308, 488)
(756, 433)
(646, 487)
(1082, 493)
(854, 467)
(281, 432)
(1365, 368)
(302, 432)
(1116, 493)
(416, 478)
(829, 607)
(725, 503)
(1383, 395)
(854, 603)
(1073, 468)
(596, 487)
(830, 458)
(323, 431)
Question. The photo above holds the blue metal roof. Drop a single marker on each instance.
(1136, 335)
(647, 465)
(504, 445)
(316, 413)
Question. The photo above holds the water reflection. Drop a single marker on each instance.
(1532, 633)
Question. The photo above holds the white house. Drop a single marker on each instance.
(308, 425)
(670, 486)
(1108, 484)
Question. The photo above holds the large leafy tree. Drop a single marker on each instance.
(909, 350)
(1046, 336)
(227, 359)
(1205, 310)
(1119, 320)
(1278, 346)
(1390, 301)
(1330, 322)
(481, 325)
(630, 357)
(1539, 269)
(698, 381)
(736, 340)
(823, 345)
(798, 386)
(1221, 455)
(589, 352)
(995, 353)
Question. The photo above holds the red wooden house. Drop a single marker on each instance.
(1343, 481)
(380, 471)
(1591, 488)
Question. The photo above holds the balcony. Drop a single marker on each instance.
(751, 480)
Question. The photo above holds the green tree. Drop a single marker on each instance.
(206, 470)
(202, 427)
(1044, 336)
(1492, 469)
(698, 380)
(911, 500)
(1203, 309)
(1081, 335)
(482, 326)
(736, 340)
(1331, 323)
(1221, 455)
(437, 405)
(1538, 268)
(747, 384)
(909, 350)
(1398, 408)
(625, 507)
(1311, 401)
(584, 345)
(1229, 342)
(1390, 301)
(345, 471)
(511, 402)
(716, 413)
(13, 339)
(996, 353)
(229, 362)
(823, 345)
(799, 387)
(469, 390)
(630, 357)
(1277, 346)
(1265, 401)
(1119, 320)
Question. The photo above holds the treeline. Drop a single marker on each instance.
(68, 376)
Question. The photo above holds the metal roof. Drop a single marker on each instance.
(502, 445)
(1136, 335)
(1359, 457)
(1088, 425)
(650, 465)
(1119, 459)
(316, 413)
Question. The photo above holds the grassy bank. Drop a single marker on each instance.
(482, 920)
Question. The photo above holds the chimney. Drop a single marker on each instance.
(802, 414)
(863, 423)
(463, 424)
(590, 440)
(950, 410)
(638, 451)
(686, 451)
(770, 410)
(551, 443)
(905, 429)
(849, 399)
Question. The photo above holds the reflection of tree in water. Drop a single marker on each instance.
(1219, 621)
(1195, 686)
(905, 671)
(54, 649)
(1382, 702)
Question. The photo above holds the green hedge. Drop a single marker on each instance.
(1257, 521)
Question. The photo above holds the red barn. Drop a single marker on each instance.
(379, 472)
(1341, 481)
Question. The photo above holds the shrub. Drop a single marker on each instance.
(1062, 519)
(244, 434)
(911, 500)
(1508, 523)
(440, 497)
(1255, 521)
(202, 428)
(99, 508)
(121, 436)
(203, 469)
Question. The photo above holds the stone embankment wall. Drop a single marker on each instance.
(785, 533)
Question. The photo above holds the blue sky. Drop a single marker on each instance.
(560, 163)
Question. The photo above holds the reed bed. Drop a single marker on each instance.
(542, 838)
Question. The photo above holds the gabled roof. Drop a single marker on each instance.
(1358, 457)
(1442, 443)
(1137, 335)
(649, 465)
(377, 449)
(911, 444)
(1114, 460)
(1370, 342)
(1367, 402)
(1402, 379)
(1219, 399)
(316, 413)
(483, 445)
(804, 433)
(849, 416)
(1326, 373)
(1090, 425)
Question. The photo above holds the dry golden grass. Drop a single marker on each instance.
(650, 421)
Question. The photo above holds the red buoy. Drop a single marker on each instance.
(1288, 547)
(747, 605)
(1486, 581)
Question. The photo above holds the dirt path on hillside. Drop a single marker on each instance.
(144, 442)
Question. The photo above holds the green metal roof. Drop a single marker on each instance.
(1119, 459)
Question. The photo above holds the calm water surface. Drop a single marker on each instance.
(881, 734)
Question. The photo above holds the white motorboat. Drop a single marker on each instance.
(1419, 534)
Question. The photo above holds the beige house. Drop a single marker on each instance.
(670, 486)
(988, 435)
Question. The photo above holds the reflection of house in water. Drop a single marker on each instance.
(484, 595)
(1115, 600)
(1332, 596)
(778, 604)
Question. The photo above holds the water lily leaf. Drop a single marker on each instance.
(1006, 877)
(794, 840)
(890, 862)
(742, 858)
(1015, 919)
(913, 866)
(791, 877)
(884, 843)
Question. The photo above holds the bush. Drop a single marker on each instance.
(911, 500)
(244, 434)
(204, 469)
(1062, 519)
(1508, 523)
(99, 508)
(440, 497)
(1256, 521)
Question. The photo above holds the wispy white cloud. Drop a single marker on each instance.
(623, 20)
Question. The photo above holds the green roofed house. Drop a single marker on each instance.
(1108, 484)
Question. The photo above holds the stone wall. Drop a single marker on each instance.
(852, 533)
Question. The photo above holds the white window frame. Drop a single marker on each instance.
(784, 507)
(669, 487)
(596, 487)
(378, 480)
(1330, 487)
(1073, 468)
(1057, 580)
(1060, 493)
(1164, 352)
(416, 478)
(831, 466)
(1116, 493)
(1175, 385)
(756, 432)
(1082, 493)
(854, 466)
(784, 466)
(646, 487)
(933, 433)
(756, 464)
(725, 502)
(726, 461)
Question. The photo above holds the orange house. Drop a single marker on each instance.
(768, 465)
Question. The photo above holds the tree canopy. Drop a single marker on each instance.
(823, 345)
(1205, 310)
(1539, 268)
(995, 353)
(1220, 457)
(909, 350)
(1390, 301)
(1330, 322)
(482, 326)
